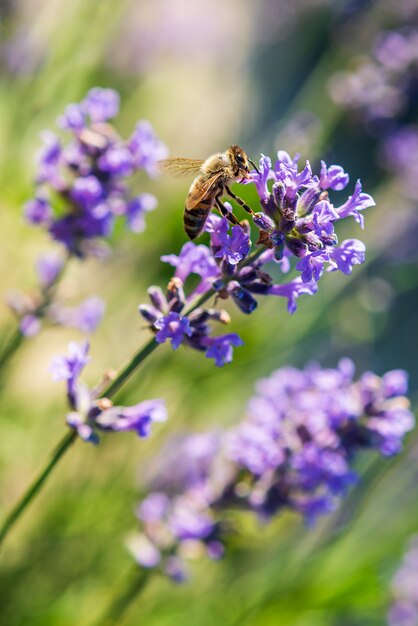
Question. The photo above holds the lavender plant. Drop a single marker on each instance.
(295, 233)
(81, 189)
(296, 227)
(295, 449)
(90, 413)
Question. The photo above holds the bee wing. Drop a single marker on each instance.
(180, 166)
(201, 189)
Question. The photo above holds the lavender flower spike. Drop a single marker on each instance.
(88, 174)
(294, 449)
(89, 413)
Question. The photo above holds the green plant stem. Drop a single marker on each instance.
(70, 437)
(121, 603)
(127, 371)
(10, 346)
(65, 443)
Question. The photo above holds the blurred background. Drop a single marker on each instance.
(331, 79)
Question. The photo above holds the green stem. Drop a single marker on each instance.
(65, 443)
(70, 437)
(127, 371)
(10, 347)
(121, 603)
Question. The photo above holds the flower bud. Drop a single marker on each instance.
(307, 201)
(263, 221)
(157, 298)
(243, 299)
(296, 246)
(279, 191)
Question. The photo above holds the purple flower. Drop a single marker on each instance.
(262, 177)
(100, 104)
(30, 325)
(350, 253)
(174, 327)
(294, 450)
(38, 211)
(48, 268)
(233, 247)
(296, 230)
(70, 367)
(333, 177)
(137, 208)
(86, 316)
(139, 417)
(323, 217)
(87, 175)
(154, 507)
(187, 523)
(356, 203)
(194, 259)
(396, 383)
(221, 348)
(146, 148)
(90, 413)
(293, 290)
(73, 118)
(312, 266)
(286, 171)
(116, 161)
(87, 191)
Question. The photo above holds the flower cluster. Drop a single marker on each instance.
(383, 86)
(31, 309)
(80, 186)
(165, 317)
(296, 232)
(90, 411)
(404, 610)
(295, 449)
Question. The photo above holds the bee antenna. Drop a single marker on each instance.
(254, 166)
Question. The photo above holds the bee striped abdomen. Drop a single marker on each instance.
(195, 219)
(199, 203)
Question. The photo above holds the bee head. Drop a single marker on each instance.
(239, 162)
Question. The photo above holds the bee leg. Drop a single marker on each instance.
(229, 216)
(239, 201)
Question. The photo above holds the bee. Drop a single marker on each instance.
(214, 175)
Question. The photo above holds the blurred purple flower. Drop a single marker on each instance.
(86, 316)
(89, 173)
(146, 148)
(137, 210)
(30, 325)
(70, 367)
(295, 449)
(48, 268)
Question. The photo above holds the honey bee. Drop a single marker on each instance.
(215, 174)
